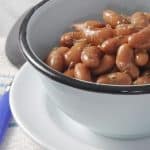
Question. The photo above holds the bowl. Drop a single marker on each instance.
(109, 110)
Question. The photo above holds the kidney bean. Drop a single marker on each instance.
(97, 36)
(148, 15)
(123, 39)
(62, 50)
(88, 24)
(141, 58)
(81, 72)
(126, 29)
(107, 63)
(74, 54)
(141, 39)
(116, 78)
(90, 56)
(142, 80)
(111, 45)
(67, 39)
(113, 18)
(124, 57)
(56, 61)
(71, 65)
(69, 73)
(133, 71)
(140, 19)
(125, 61)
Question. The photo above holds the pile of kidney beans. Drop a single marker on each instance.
(113, 51)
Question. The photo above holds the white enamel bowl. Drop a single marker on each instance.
(115, 111)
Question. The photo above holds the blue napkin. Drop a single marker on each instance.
(5, 114)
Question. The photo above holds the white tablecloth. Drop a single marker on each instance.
(10, 10)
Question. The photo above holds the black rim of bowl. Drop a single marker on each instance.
(59, 77)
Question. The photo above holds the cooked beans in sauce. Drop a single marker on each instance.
(115, 50)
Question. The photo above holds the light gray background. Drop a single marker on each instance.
(10, 11)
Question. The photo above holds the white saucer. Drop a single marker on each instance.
(50, 127)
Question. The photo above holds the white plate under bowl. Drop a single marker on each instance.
(51, 128)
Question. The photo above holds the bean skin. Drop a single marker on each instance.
(141, 58)
(116, 78)
(142, 80)
(88, 24)
(107, 63)
(67, 39)
(56, 61)
(123, 39)
(125, 29)
(133, 71)
(69, 73)
(113, 18)
(81, 72)
(90, 56)
(124, 57)
(62, 50)
(74, 54)
(141, 39)
(139, 19)
(125, 61)
(148, 15)
(81, 42)
(71, 65)
(98, 36)
(111, 45)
